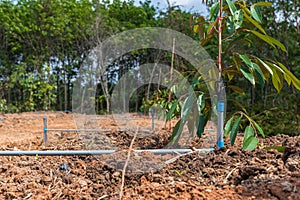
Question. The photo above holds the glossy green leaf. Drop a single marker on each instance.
(227, 127)
(246, 60)
(210, 29)
(277, 80)
(201, 126)
(195, 82)
(262, 37)
(214, 10)
(274, 66)
(256, 13)
(269, 40)
(277, 43)
(253, 21)
(287, 78)
(249, 131)
(250, 144)
(176, 132)
(248, 75)
(234, 130)
(231, 6)
(230, 24)
(265, 65)
(260, 130)
(200, 102)
(259, 74)
(187, 106)
(236, 60)
(294, 79)
(238, 19)
(171, 110)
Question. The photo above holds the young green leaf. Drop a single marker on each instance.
(230, 24)
(200, 127)
(171, 110)
(187, 106)
(231, 6)
(277, 43)
(248, 75)
(200, 102)
(276, 80)
(228, 127)
(250, 143)
(214, 11)
(246, 60)
(210, 29)
(294, 79)
(253, 21)
(256, 13)
(260, 130)
(249, 131)
(269, 40)
(234, 130)
(238, 19)
(265, 65)
(259, 74)
(202, 122)
(176, 132)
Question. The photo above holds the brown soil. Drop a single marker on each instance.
(227, 173)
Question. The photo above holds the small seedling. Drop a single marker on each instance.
(180, 173)
(203, 174)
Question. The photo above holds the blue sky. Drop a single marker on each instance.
(188, 5)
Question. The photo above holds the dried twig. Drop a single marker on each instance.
(104, 196)
(225, 181)
(126, 163)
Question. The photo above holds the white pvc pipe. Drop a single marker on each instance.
(79, 130)
(94, 152)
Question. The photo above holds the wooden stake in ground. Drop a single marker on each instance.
(126, 163)
(171, 77)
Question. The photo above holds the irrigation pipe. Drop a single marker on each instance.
(96, 152)
(69, 130)
(91, 152)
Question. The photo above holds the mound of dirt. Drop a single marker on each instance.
(227, 173)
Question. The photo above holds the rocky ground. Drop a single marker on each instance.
(227, 173)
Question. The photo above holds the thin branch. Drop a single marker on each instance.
(226, 178)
